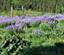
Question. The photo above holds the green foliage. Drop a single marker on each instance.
(6, 24)
(44, 26)
(55, 6)
(13, 45)
(23, 42)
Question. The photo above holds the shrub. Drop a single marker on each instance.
(44, 26)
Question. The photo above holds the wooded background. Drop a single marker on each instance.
(55, 6)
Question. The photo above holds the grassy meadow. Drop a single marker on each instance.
(38, 38)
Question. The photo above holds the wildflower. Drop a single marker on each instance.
(37, 32)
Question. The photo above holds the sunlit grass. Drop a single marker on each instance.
(20, 12)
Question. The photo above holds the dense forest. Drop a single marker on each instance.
(55, 6)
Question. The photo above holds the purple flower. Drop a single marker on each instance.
(53, 23)
(37, 32)
(18, 27)
(29, 20)
(6, 20)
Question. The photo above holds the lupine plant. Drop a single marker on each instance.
(52, 22)
(29, 19)
(35, 29)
